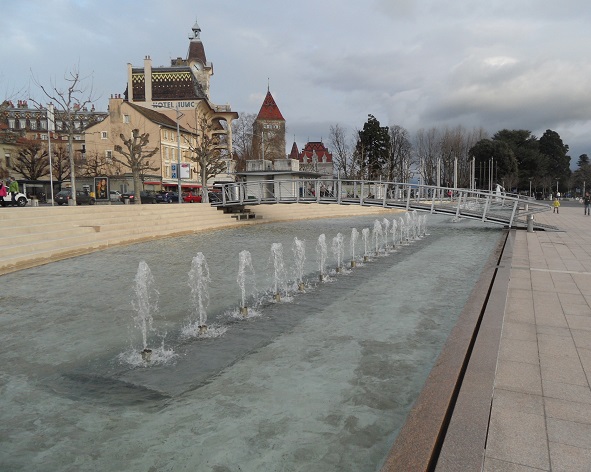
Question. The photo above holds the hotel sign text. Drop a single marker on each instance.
(179, 104)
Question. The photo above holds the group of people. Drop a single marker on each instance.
(11, 186)
(586, 201)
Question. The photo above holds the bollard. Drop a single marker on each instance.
(530, 223)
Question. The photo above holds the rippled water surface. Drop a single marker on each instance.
(321, 380)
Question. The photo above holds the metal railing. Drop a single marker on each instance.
(495, 207)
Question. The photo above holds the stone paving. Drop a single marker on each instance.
(541, 409)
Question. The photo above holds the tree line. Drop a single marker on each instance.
(515, 159)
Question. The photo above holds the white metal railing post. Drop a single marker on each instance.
(432, 199)
(338, 190)
(361, 193)
(513, 212)
(486, 205)
(407, 197)
(459, 205)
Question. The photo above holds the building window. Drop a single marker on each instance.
(103, 135)
(126, 119)
(7, 160)
(11, 123)
(109, 154)
(22, 123)
(43, 124)
(59, 125)
(167, 171)
(43, 137)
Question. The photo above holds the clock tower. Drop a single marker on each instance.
(200, 68)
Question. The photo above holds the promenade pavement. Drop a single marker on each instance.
(541, 410)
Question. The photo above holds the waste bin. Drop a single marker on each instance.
(126, 200)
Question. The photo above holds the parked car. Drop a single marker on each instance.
(214, 197)
(167, 197)
(147, 196)
(20, 198)
(64, 196)
(114, 196)
(191, 198)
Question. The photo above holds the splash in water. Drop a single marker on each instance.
(245, 274)
(353, 242)
(377, 235)
(145, 302)
(279, 275)
(299, 255)
(365, 237)
(321, 253)
(386, 226)
(338, 250)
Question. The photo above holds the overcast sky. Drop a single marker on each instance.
(516, 64)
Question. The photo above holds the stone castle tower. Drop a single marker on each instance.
(268, 129)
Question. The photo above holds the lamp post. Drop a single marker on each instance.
(530, 187)
(178, 168)
(50, 128)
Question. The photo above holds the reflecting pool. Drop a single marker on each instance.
(321, 379)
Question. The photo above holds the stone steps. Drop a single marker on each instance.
(37, 235)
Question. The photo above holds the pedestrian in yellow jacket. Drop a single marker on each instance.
(556, 205)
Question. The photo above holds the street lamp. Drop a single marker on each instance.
(530, 187)
(178, 136)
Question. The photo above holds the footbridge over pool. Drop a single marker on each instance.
(509, 210)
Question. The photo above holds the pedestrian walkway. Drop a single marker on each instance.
(510, 390)
(541, 409)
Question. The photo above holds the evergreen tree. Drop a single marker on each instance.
(372, 148)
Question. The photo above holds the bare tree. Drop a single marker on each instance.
(342, 154)
(95, 164)
(426, 150)
(69, 102)
(136, 157)
(206, 151)
(400, 156)
(32, 162)
(60, 162)
(242, 140)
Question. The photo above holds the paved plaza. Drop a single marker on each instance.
(541, 409)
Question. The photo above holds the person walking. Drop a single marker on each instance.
(13, 189)
(587, 203)
(3, 193)
(556, 205)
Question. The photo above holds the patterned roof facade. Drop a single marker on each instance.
(168, 83)
(315, 147)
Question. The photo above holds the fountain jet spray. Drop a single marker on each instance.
(199, 280)
(299, 254)
(365, 236)
(245, 269)
(145, 304)
(352, 242)
(338, 250)
(279, 277)
(321, 252)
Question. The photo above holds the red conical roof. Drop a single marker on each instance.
(269, 109)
